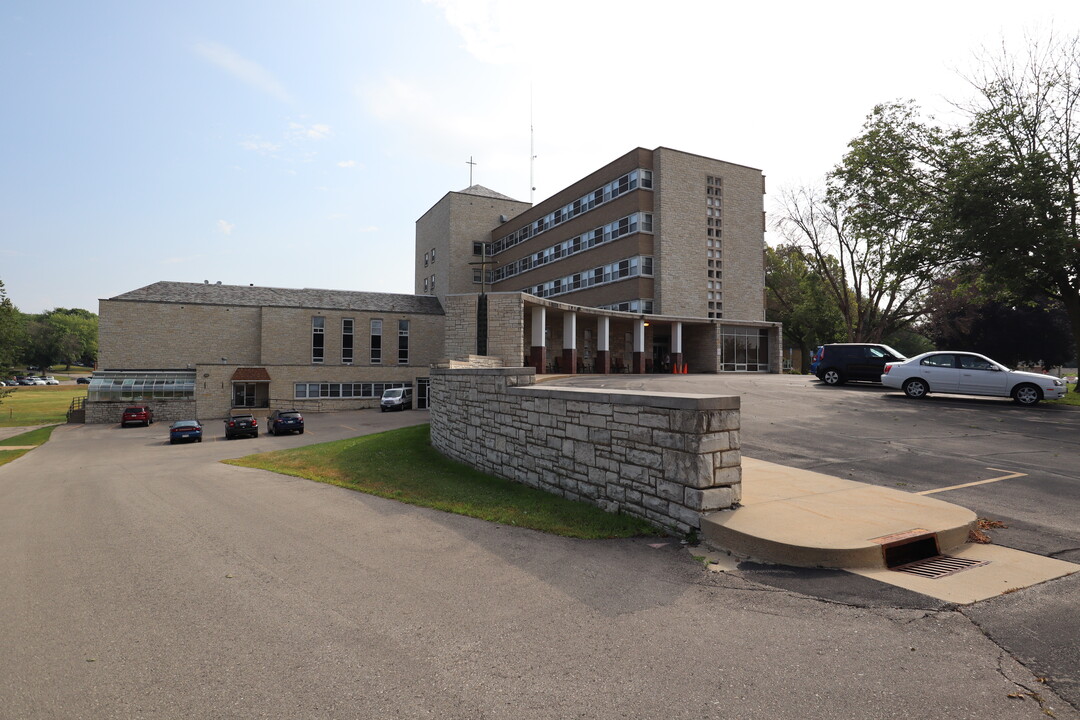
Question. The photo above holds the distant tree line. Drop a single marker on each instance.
(62, 336)
(964, 236)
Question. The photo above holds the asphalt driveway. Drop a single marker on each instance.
(149, 580)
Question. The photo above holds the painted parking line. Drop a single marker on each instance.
(1010, 476)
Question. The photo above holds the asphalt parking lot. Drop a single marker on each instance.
(1019, 466)
(149, 580)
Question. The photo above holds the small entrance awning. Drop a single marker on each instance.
(250, 375)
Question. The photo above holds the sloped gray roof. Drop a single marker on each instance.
(485, 192)
(253, 296)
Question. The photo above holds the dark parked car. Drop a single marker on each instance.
(137, 414)
(83, 381)
(285, 421)
(185, 430)
(840, 362)
(244, 425)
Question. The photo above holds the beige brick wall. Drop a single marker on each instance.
(451, 227)
(680, 225)
(133, 335)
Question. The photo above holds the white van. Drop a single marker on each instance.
(396, 399)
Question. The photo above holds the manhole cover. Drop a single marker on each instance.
(939, 566)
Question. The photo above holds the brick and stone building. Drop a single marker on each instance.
(653, 263)
(673, 240)
(202, 350)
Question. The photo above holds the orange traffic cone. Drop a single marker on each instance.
(685, 368)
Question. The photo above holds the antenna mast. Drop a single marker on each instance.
(532, 148)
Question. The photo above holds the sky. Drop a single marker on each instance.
(295, 144)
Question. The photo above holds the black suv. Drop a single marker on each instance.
(841, 362)
(285, 421)
(243, 425)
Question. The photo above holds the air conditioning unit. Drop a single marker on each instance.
(503, 218)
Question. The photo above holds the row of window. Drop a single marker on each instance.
(636, 306)
(318, 341)
(612, 272)
(713, 228)
(631, 181)
(148, 385)
(307, 391)
(429, 257)
(622, 227)
(429, 285)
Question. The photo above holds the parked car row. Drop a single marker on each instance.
(236, 425)
(30, 380)
(244, 424)
(939, 371)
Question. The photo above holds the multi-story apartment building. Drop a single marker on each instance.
(660, 233)
(654, 232)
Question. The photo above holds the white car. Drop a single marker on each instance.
(37, 381)
(50, 380)
(968, 373)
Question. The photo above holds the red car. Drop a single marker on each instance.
(137, 414)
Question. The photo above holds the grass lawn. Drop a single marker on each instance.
(34, 437)
(38, 404)
(1071, 398)
(402, 465)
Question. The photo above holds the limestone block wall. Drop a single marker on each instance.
(506, 327)
(166, 412)
(665, 457)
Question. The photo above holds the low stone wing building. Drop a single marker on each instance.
(203, 350)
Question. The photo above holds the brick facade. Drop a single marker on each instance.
(214, 330)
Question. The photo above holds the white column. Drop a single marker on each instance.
(639, 336)
(676, 337)
(569, 331)
(539, 320)
(603, 333)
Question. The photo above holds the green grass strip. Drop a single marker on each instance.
(38, 405)
(402, 465)
(33, 437)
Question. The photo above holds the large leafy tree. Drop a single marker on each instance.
(75, 333)
(1014, 190)
(796, 295)
(866, 228)
(60, 336)
(865, 272)
(11, 335)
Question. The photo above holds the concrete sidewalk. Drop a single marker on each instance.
(803, 518)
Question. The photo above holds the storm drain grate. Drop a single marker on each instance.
(939, 566)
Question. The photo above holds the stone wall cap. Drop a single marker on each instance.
(483, 370)
(667, 400)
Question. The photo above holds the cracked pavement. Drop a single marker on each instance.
(148, 580)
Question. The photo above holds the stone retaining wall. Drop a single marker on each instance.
(665, 457)
(165, 411)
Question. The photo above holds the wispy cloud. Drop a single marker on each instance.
(318, 131)
(347, 164)
(368, 229)
(246, 71)
(263, 147)
(225, 227)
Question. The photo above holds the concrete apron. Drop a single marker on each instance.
(807, 519)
